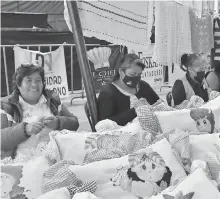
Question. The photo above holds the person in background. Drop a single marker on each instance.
(213, 77)
(31, 108)
(193, 81)
(40, 60)
(118, 100)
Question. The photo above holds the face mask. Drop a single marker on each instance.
(199, 76)
(131, 82)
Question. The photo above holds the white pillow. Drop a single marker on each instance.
(103, 171)
(26, 178)
(133, 127)
(196, 182)
(201, 144)
(61, 193)
(170, 120)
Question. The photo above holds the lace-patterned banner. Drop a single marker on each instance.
(122, 23)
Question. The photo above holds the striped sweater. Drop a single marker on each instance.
(13, 127)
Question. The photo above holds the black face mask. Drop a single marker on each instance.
(200, 76)
(131, 82)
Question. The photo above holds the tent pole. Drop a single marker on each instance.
(82, 58)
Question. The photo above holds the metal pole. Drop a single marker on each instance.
(35, 45)
(71, 55)
(6, 71)
(82, 58)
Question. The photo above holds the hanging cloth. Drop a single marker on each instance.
(216, 50)
(201, 33)
(172, 32)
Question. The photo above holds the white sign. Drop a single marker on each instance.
(153, 74)
(53, 63)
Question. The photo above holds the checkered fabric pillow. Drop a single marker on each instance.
(163, 107)
(183, 105)
(214, 166)
(194, 102)
(90, 186)
(160, 105)
(180, 141)
(213, 95)
(148, 121)
(59, 175)
(7, 160)
(125, 143)
(102, 154)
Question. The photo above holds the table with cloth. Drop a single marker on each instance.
(166, 152)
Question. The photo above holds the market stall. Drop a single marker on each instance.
(166, 152)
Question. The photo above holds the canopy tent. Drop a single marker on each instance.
(17, 29)
(53, 9)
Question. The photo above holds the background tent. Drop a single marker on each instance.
(17, 28)
(53, 9)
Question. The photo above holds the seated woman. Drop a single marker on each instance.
(193, 82)
(213, 77)
(126, 91)
(31, 108)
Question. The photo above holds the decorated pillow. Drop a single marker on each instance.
(201, 144)
(61, 193)
(23, 181)
(83, 148)
(140, 174)
(194, 186)
(203, 119)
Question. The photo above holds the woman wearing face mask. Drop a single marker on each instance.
(118, 100)
(193, 82)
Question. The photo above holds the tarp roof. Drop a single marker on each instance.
(54, 10)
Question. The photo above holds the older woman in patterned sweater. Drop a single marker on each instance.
(31, 108)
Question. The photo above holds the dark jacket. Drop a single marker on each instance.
(114, 105)
(12, 127)
(180, 91)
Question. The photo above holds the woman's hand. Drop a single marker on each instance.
(52, 122)
(34, 128)
(141, 102)
(206, 86)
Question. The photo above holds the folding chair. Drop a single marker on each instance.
(86, 108)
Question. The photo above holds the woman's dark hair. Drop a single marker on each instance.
(202, 113)
(216, 65)
(25, 70)
(126, 62)
(187, 60)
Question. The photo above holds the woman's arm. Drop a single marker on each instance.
(106, 110)
(147, 92)
(12, 134)
(123, 118)
(213, 81)
(178, 92)
(67, 120)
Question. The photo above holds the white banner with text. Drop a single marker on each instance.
(53, 63)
